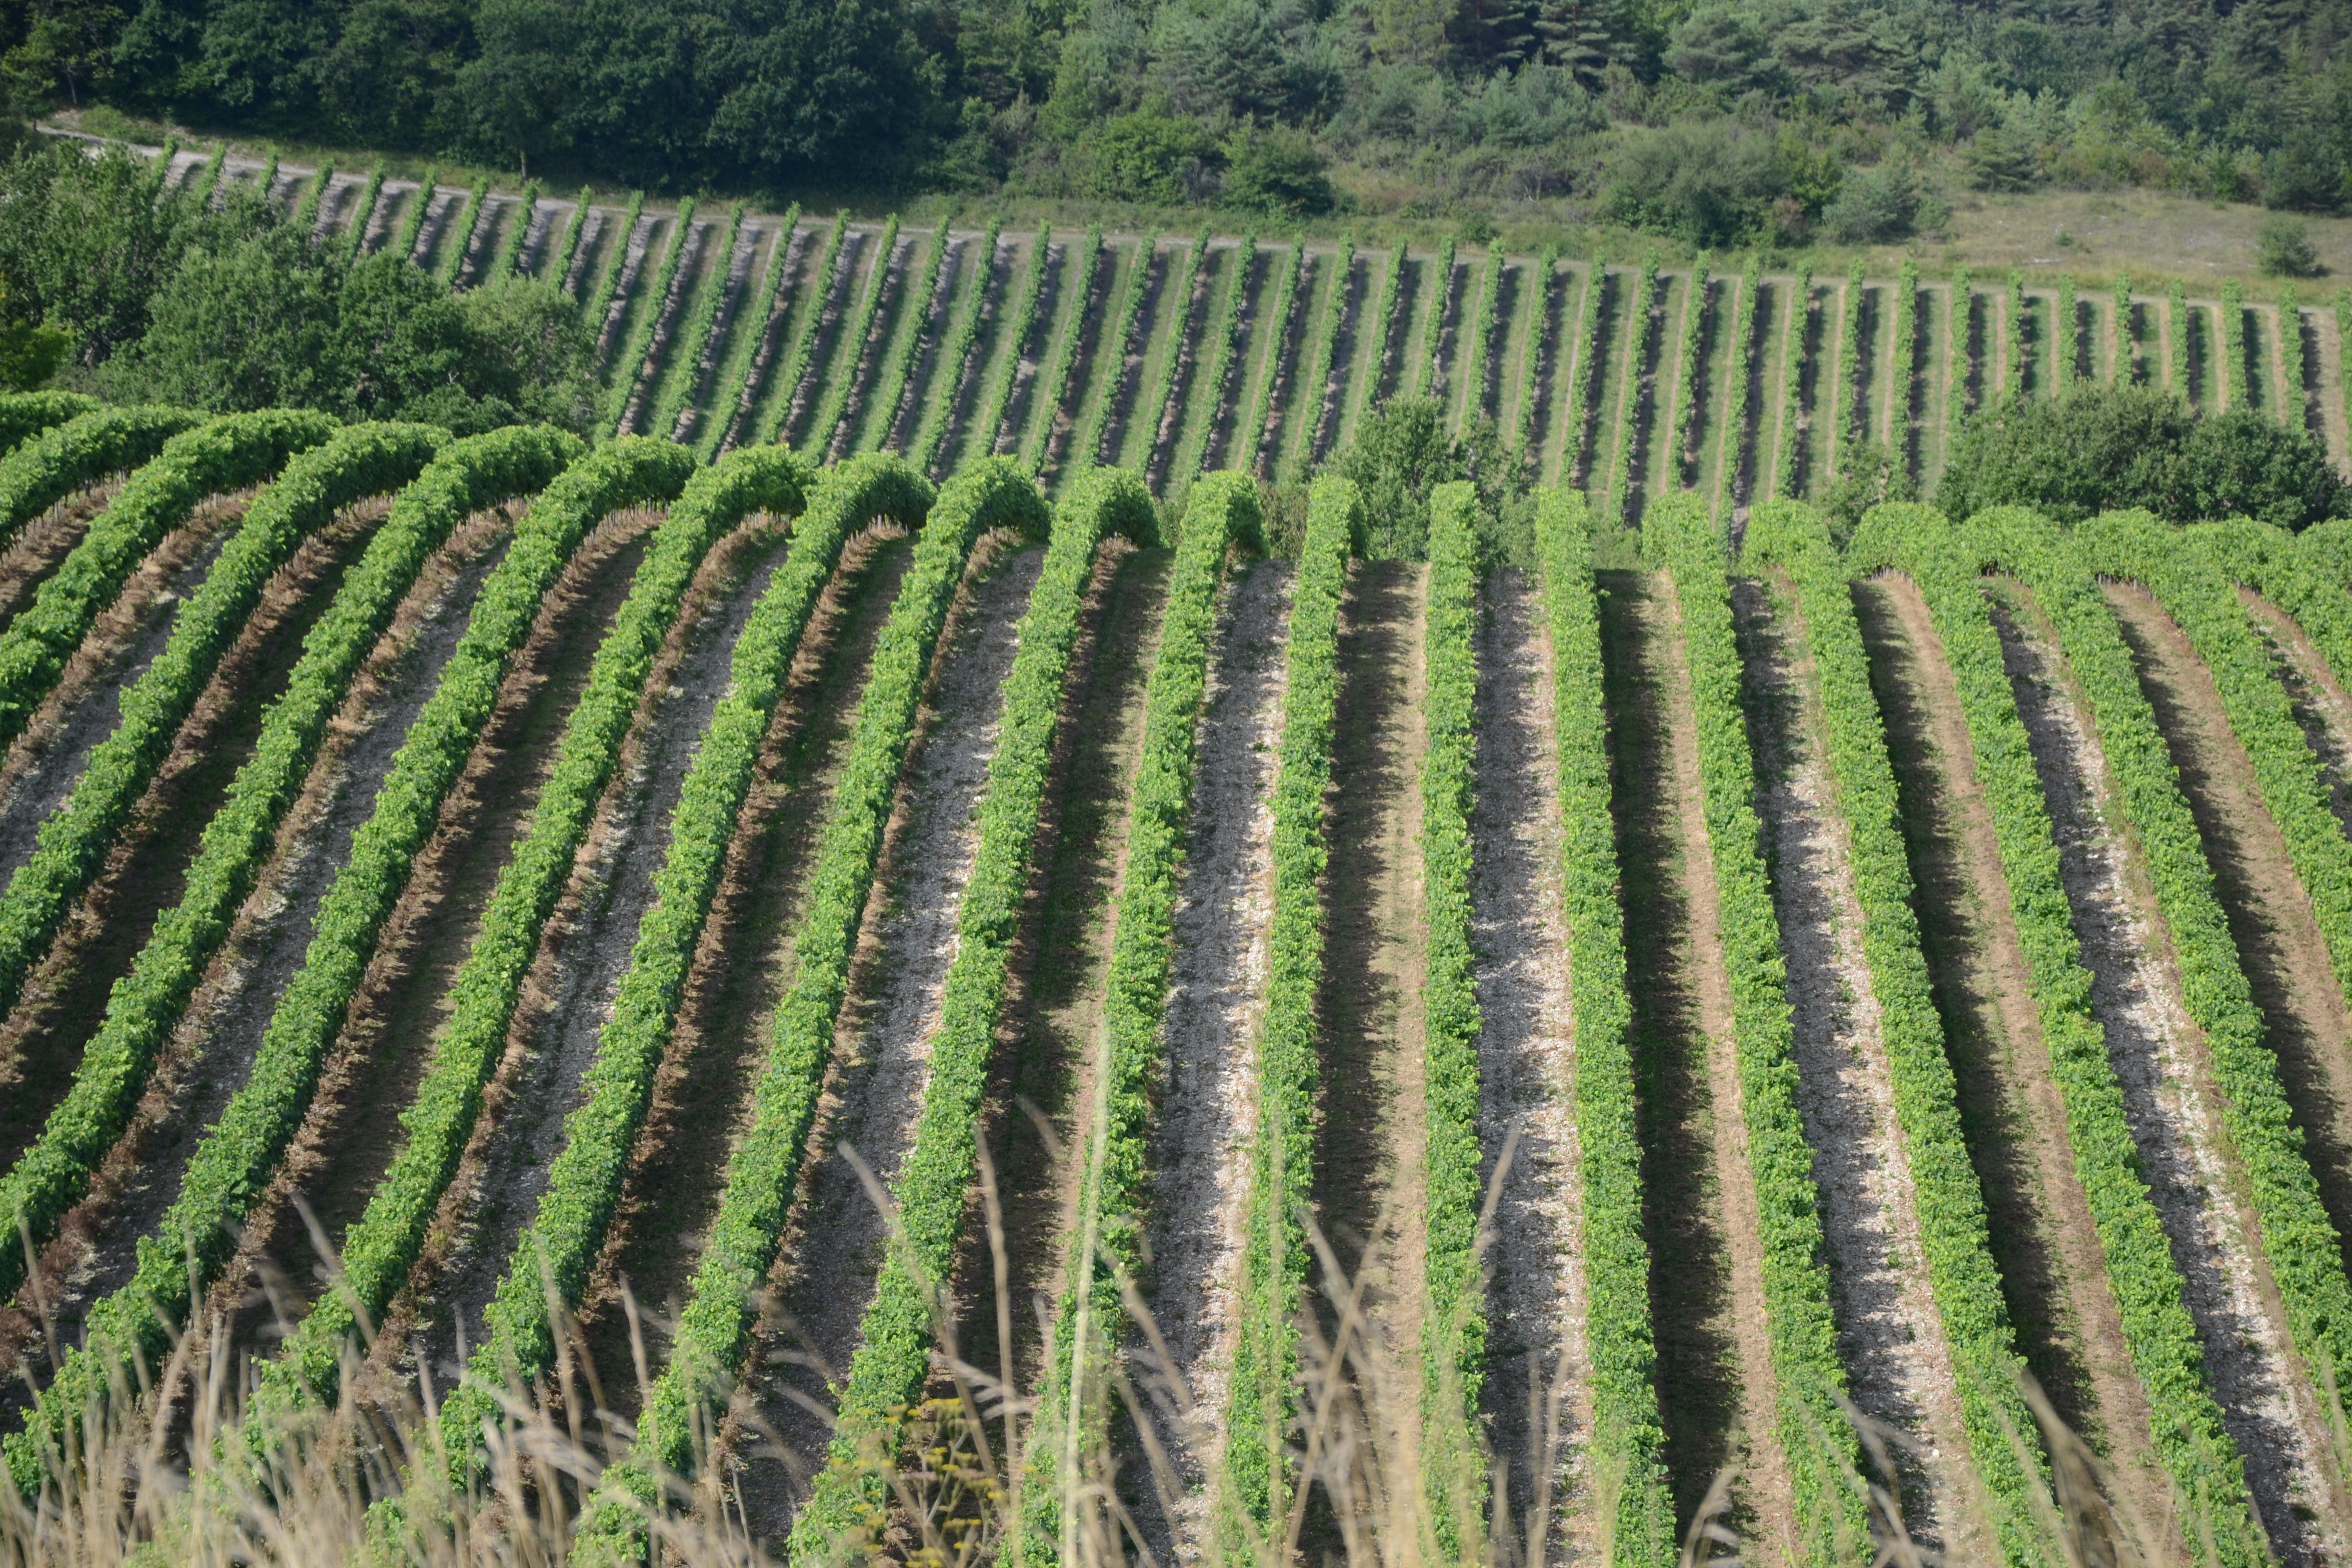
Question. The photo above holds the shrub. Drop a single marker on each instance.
(1401, 453)
(1704, 182)
(2242, 464)
(1874, 205)
(1277, 171)
(2283, 249)
(1153, 155)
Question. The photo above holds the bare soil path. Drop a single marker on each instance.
(1891, 1338)
(1538, 1387)
(2053, 1278)
(832, 1251)
(2168, 1096)
(1371, 1156)
(65, 1000)
(1208, 1102)
(740, 974)
(1716, 1386)
(205, 1059)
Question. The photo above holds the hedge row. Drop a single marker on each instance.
(839, 405)
(1433, 332)
(948, 375)
(1792, 384)
(74, 843)
(363, 213)
(379, 1250)
(24, 415)
(2185, 1422)
(1906, 357)
(882, 409)
(1480, 362)
(1728, 464)
(557, 1251)
(460, 238)
(1226, 330)
(1847, 426)
(1627, 1438)
(2020, 324)
(231, 1167)
(1119, 341)
(981, 439)
(787, 385)
(675, 384)
(2235, 392)
(715, 1331)
(597, 313)
(1629, 395)
(2305, 1253)
(1949, 1202)
(1054, 385)
(1583, 379)
(1818, 1444)
(2289, 571)
(46, 467)
(629, 368)
(747, 335)
(1453, 1338)
(1106, 1246)
(894, 1354)
(51, 1175)
(1687, 367)
(1526, 438)
(227, 454)
(1249, 440)
(2067, 335)
(1255, 1493)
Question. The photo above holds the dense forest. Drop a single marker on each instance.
(1762, 120)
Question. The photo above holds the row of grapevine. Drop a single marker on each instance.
(379, 1249)
(1962, 1276)
(1249, 438)
(784, 388)
(1797, 338)
(987, 432)
(678, 381)
(232, 1165)
(1273, 1270)
(954, 365)
(51, 464)
(1208, 395)
(652, 309)
(1432, 330)
(1054, 385)
(1106, 1245)
(1816, 1441)
(1639, 317)
(748, 339)
(1527, 439)
(24, 415)
(938, 261)
(1315, 386)
(1176, 357)
(2199, 1457)
(1484, 357)
(839, 402)
(1729, 467)
(1849, 426)
(1584, 373)
(1119, 341)
(1689, 365)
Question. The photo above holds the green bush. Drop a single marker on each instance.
(1277, 171)
(1107, 1248)
(379, 1250)
(2283, 249)
(1152, 155)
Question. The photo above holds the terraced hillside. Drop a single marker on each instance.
(967, 1009)
(1177, 354)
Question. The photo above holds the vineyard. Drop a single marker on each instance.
(890, 989)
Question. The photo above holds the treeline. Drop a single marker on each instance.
(1747, 119)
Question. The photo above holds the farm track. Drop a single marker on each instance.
(1056, 1015)
(1539, 1387)
(354, 1129)
(2064, 1315)
(205, 1061)
(740, 972)
(1716, 1386)
(2170, 1100)
(554, 1036)
(1892, 1341)
(832, 1251)
(1372, 1178)
(67, 998)
(1207, 1118)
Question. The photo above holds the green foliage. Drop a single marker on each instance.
(1118, 342)
(363, 213)
(2236, 393)
(1545, 279)
(25, 416)
(2120, 306)
(224, 455)
(1961, 1273)
(986, 433)
(1482, 359)
(1689, 389)
(412, 220)
(85, 242)
(1906, 357)
(2293, 411)
(30, 351)
(232, 1163)
(567, 244)
(894, 1354)
(1730, 465)
(2176, 312)
(1454, 1341)
(1961, 317)
(1786, 485)
(2019, 383)
(1818, 1446)
(1053, 387)
(679, 379)
(1386, 318)
(955, 362)
(2067, 335)
(826, 431)
(596, 312)
(74, 842)
(1441, 298)
(882, 409)
(1274, 1267)
(1847, 426)
(506, 261)
(710, 422)
(1249, 439)
(1227, 328)
(2198, 1456)
(306, 211)
(1627, 1438)
(1402, 452)
(2118, 447)
(628, 367)
(1637, 354)
(1276, 172)
(1708, 180)
(2283, 249)
(715, 1331)
(1107, 1248)
(379, 1250)
(1584, 375)
(787, 385)
(1148, 156)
